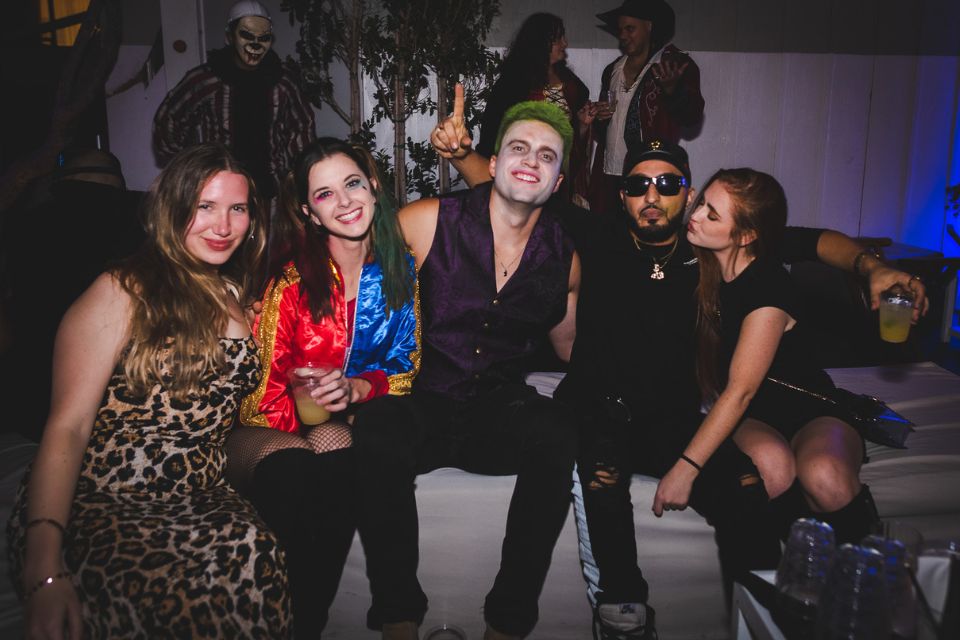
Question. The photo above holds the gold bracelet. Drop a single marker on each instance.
(45, 582)
(50, 521)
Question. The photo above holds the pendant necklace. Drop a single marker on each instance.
(658, 273)
(506, 267)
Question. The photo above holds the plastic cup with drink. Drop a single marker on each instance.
(303, 380)
(896, 312)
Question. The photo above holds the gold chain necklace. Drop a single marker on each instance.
(658, 273)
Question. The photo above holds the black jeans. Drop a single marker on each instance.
(737, 512)
(508, 430)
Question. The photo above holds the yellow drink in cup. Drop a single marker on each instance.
(896, 311)
(302, 381)
(309, 411)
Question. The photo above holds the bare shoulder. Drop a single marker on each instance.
(418, 220)
(102, 311)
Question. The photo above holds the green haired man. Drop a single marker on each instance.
(497, 279)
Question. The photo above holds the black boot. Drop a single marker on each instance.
(787, 508)
(859, 518)
(746, 535)
(304, 499)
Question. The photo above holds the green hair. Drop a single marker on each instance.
(545, 112)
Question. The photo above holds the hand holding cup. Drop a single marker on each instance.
(304, 381)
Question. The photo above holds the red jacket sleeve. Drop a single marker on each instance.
(271, 405)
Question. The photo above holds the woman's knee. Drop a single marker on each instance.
(330, 436)
(828, 480)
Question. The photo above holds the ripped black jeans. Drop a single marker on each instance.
(727, 492)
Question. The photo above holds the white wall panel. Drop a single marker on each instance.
(891, 115)
(845, 136)
(802, 135)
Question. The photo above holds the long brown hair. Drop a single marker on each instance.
(297, 238)
(179, 309)
(760, 208)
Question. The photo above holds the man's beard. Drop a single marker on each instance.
(657, 233)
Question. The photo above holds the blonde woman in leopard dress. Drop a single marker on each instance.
(125, 527)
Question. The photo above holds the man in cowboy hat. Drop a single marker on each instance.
(652, 91)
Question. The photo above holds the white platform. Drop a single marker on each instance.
(462, 518)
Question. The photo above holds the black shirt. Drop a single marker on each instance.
(636, 336)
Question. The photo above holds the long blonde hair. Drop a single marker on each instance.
(179, 309)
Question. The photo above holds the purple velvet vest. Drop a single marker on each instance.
(473, 337)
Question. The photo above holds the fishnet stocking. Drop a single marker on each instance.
(328, 436)
(247, 446)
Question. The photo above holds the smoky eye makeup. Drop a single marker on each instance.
(246, 35)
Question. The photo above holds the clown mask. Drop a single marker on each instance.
(251, 39)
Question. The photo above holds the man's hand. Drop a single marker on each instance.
(668, 73)
(450, 138)
(881, 277)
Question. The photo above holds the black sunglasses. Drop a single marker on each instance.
(667, 184)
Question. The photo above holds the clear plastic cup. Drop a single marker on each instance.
(303, 380)
(855, 603)
(903, 601)
(802, 573)
(896, 312)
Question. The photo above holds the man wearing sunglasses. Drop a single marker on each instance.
(632, 381)
(243, 97)
(631, 376)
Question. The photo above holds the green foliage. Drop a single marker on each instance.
(398, 44)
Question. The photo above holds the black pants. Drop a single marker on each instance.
(745, 537)
(505, 431)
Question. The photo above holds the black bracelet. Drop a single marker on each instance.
(690, 461)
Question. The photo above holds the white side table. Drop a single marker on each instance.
(749, 619)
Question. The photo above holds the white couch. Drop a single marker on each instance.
(462, 518)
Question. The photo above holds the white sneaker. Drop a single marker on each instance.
(624, 621)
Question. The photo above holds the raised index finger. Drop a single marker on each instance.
(458, 101)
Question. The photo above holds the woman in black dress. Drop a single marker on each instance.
(750, 333)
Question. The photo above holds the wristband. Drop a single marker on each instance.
(690, 461)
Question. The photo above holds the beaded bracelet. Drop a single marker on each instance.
(45, 582)
(690, 461)
(50, 521)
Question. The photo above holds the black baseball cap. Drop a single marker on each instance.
(658, 150)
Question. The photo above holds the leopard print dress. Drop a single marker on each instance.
(158, 544)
